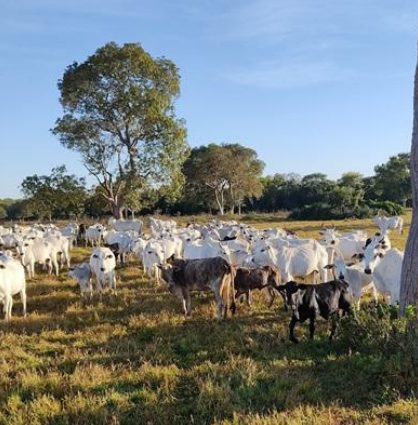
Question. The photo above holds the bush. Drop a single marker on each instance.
(377, 333)
(389, 207)
(317, 211)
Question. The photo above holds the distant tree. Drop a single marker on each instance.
(223, 174)
(392, 181)
(316, 188)
(244, 175)
(350, 191)
(54, 195)
(207, 172)
(18, 210)
(119, 115)
(409, 278)
(3, 213)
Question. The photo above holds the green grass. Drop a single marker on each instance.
(134, 359)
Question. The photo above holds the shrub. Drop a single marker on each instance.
(378, 333)
(389, 207)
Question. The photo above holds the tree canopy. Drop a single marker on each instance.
(224, 175)
(119, 115)
(58, 194)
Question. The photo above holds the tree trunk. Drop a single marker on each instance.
(409, 278)
(117, 209)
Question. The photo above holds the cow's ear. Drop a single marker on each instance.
(329, 266)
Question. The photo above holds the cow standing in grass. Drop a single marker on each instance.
(208, 274)
(308, 301)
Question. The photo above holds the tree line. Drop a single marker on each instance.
(118, 114)
(225, 178)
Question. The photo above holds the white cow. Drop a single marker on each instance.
(295, 261)
(95, 234)
(102, 265)
(126, 225)
(207, 248)
(348, 245)
(39, 251)
(82, 274)
(385, 268)
(61, 246)
(153, 256)
(388, 223)
(358, 281)
(12, 282)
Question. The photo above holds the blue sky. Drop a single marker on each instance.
(312, 85)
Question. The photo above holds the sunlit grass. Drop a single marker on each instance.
(134, 359)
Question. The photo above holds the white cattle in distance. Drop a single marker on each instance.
(207, 248)
(38, 251)
(152, 257)
(102, 265)
(12, 282)
(62, 248)
(121, 225)
(95, 234)
(388, 223)
(348, 245)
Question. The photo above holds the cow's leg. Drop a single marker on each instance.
(219, 304)
(334, 324)
(187, 303)
(56, 267)
(312, 326)
(7, 307)
(113, 283)
(270, 296)
(23, 299)
(292, 325)
(49, 266)
(249, 297)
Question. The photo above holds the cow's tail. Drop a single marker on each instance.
(228, 288)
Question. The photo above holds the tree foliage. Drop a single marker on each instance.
(223, 175)
(58, 194)
(392, 179)
(119, 115)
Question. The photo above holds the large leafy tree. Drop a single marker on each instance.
(392, 181)
(223, 175)
(244, 175)
(119, 115)
(57, 194)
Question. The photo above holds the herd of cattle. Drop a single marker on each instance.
(228, 258)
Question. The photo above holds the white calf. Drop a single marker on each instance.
(82, 274)
(39, 251)
(102, 265)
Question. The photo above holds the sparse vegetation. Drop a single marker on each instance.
(134, 359)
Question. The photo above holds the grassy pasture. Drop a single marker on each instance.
(134, 359)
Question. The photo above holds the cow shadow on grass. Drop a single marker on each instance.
(220, 384)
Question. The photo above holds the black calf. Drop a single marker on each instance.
(307, 301)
